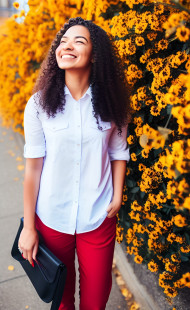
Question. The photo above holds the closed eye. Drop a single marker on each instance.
(80, 42)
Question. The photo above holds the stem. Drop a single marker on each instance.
(168, 120)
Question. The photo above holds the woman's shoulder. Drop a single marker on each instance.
(33, 104)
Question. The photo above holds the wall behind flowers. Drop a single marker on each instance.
(153, 40)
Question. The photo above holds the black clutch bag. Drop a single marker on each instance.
(48, 274)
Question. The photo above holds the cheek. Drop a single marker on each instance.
(57, 51)
(87, 55)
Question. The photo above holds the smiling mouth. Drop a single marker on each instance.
(68, 56)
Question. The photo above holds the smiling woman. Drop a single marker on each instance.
(75, 130)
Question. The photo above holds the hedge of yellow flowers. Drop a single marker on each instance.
(154, 43)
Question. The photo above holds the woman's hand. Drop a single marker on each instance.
(113, 208)
(28, 244)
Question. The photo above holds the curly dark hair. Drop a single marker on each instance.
(110, 92)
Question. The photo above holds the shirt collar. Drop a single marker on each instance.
(88, 92)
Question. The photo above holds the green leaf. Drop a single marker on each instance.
(135, 190)
(142, 194)
(130, 183)
(187, 238)
(184, 258)
(150, 118)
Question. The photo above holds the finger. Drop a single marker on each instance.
(109, 208)
(29, 257)
(35, 251)
(111, 214)
(24, 254)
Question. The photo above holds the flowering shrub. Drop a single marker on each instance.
(154, 42)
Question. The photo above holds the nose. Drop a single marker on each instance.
(68, 46)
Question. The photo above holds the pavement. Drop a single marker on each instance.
(16, 291)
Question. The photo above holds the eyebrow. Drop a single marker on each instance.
(76, 37)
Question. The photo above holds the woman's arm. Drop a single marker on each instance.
(118, 176)
(28, 241)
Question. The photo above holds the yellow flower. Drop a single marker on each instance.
(183, 33)
(138, 259)
(140, 26)
(179, 239)
(162, 44)
(187, 203)
(125, 198)
(15, 16)
(152, 36)
(142, 167)
(152, 266)
(185, 249)
(131, 139)
(138, 121)
(179, 283)
(130, 47)
(149, 102)
(16, 5)
(133, 157)
(170, 267)
(138, 131)
(179, 220)
(175, 258)
(186, 279)
(139, 41)
(155, 110)
(141, 93)
(145, 153)
(170, 291)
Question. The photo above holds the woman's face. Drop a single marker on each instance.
(75, 49)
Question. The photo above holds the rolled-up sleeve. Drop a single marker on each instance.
(34, 136)
(117, 147)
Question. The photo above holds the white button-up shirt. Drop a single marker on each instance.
(76, 181)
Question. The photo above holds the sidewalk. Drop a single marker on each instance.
(16, 291)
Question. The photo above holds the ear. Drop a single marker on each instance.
(92, 60)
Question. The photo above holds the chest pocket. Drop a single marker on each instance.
(55, 126)
(104, 125)
(94, 135)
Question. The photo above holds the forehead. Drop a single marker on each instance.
(77, 30)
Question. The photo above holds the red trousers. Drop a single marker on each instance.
(95, 255)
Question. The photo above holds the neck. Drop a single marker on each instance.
(77, 83)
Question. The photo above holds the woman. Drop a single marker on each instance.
(76, 153)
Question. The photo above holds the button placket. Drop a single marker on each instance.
(78, 136)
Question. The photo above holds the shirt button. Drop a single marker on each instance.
(77, 164)
(78, 126)
(77, 181)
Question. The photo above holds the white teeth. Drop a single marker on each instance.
(67, 56)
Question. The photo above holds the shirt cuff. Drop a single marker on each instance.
(34, 151)
(123, 155)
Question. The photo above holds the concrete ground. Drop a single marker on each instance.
(16, 291)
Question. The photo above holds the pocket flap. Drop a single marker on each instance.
(56, 126)
(104, 125)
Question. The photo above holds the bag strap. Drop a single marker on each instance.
(59, 289)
